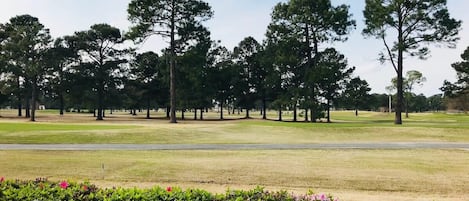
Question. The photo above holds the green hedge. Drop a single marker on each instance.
(44, 190)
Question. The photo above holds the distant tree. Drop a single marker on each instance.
(461, 87)
(417, 103)
(413, 78)
(61, 57)
(147, 78)
(334, 74)
(435, 102)
(25, 41)
(247, 61)
(459, 91)
(221, 76)
(356, 93)
(81, 92)
(311, 22)
(267, 77)
(379, 101)
(415, 24)
(286, 76)
(196, 91)
(101, 59)
(178, 20)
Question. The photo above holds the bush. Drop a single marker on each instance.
(41, 189)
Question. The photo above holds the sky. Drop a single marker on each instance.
(236, 19)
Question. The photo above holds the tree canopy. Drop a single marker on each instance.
(178, 20)
(295, 68)
(412, 25)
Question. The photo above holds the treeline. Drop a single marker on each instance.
(295, 68)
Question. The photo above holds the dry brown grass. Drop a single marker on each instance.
(352, 174)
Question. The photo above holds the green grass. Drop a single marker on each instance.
(120, 128)
(32, 127)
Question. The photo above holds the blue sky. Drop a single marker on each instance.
(236, 19)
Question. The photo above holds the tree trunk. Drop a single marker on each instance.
(182, 114)
(328, 111)
(201, 114)
(20, 107)
(168, 112)
(294, 113)
(33, 96)
(247, 114)
(221, 110)
(100, 103)
(264, 109)
(306, 115)
(280, 113)
(313, 114)
(61, 97)
(356, 112)
(407, 107)
(28, 108)
(195, 114)
(400, 67)
(172, 66)
(148, 108)
(134, 112)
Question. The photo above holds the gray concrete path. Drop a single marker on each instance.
(143, 147)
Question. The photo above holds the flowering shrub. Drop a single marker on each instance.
(41, 189)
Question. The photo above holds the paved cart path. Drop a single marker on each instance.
(143, 147)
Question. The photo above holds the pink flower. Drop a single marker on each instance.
(85, 188)
(323, 197)
(2, 179)
(63, 184)
(169, 189)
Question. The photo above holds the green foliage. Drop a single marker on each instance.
(355, 95)
(23, 47)
(414, 24)
(178, 20)
(161, 17)
(146, 81)
(102, 60)
(461, 87)
(41, 189)
(301, 27)
(248, 68)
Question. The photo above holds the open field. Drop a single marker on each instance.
(423, 174)
(125, 129)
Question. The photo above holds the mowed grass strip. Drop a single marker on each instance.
(440, 173)
(45, 133)
(19, 127)
(124, 129)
